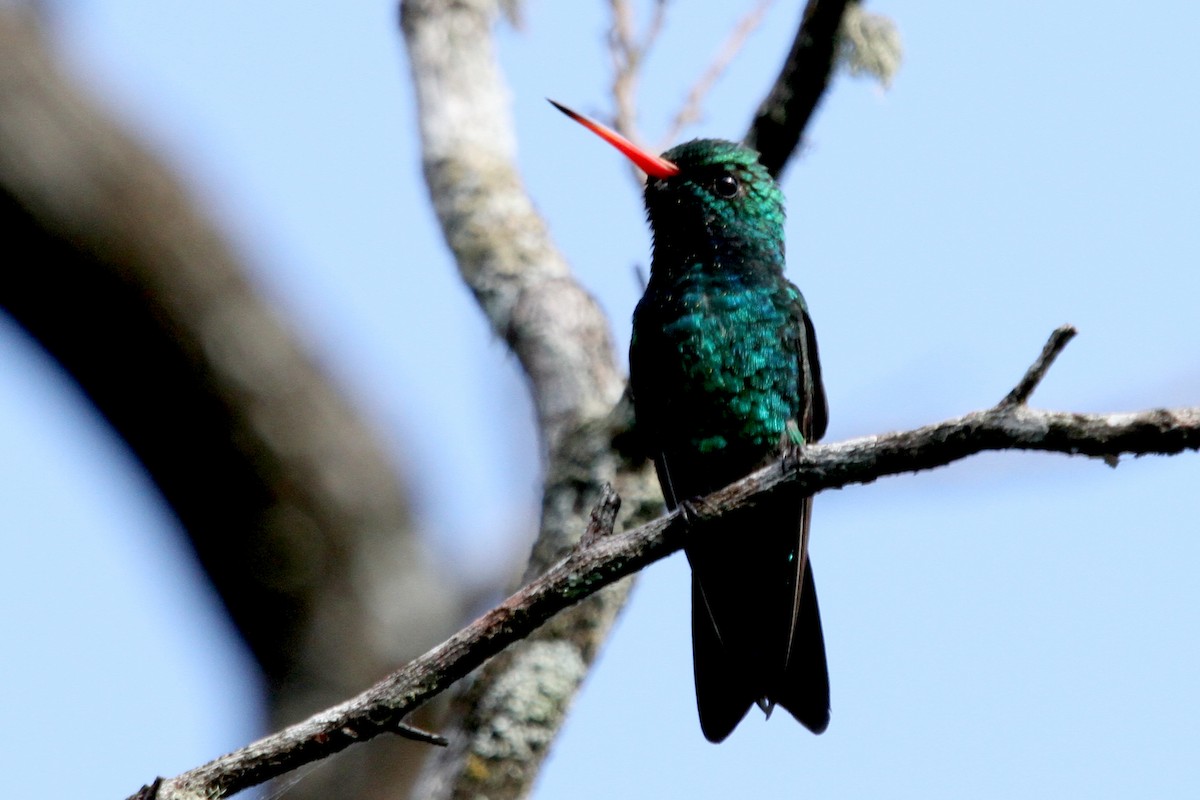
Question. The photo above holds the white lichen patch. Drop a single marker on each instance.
(523, 704)
(869, 44)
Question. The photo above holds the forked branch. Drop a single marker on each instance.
(603, 557)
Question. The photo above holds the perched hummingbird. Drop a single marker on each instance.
(725, 378)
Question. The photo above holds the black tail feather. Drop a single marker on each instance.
(724, 690)
(753, 639)
(804, 690)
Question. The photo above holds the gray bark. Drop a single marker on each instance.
(292, 507)
(603, 557)
(504, 721)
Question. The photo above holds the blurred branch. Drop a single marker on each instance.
(628, 52)
(691, 110)
(297, 516)
(830, 30)
(603, 557)
(784, 114)
(503, 722)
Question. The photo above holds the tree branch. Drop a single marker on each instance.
(603, 557)
(505, 719)
(628, 52)
(782, 117)
(690, 112)
(295, 512)
(1037, 370)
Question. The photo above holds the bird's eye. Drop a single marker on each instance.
(726, 186)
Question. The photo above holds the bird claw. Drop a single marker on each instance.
(792, 445)
(694, 508)
(791, 458)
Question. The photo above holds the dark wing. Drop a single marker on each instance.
(804, 687)
(726, 683)
(772, 647)
(814, 410)
(649, 367)
(756, 626)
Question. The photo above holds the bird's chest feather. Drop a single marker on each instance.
(714, 366)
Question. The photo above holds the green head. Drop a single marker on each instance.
(709, 201)
(722, 201)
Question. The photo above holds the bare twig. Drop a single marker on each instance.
(626, 58)
(655, 27)
(691, 110)
(628, 51)
(608, 558)
(604, 517)
(406, 731)
(1037, 370)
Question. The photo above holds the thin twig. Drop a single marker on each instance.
(626, 58)
(1037, 370)
(628, 52)
(405, 731)
(603, 519)
(657, 22)
(692, 108)
(610, 557)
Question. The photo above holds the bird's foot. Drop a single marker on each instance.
(695, 508)
(792, 445)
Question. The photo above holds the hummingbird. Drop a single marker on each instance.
(725, 378)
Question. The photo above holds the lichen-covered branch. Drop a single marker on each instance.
(784, 113)
(829, 30)
(503, 722)
(603, 557)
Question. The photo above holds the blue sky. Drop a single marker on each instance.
(1012, 625)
